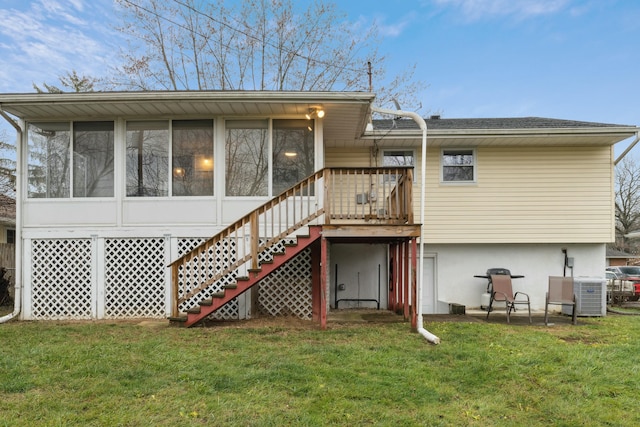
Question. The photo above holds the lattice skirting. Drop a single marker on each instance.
(125, 278)
(287, 292)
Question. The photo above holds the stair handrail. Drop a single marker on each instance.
(299, 213)
(303, 203)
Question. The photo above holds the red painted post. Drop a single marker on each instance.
(405, 279)
(324, 267)
(391, 304)
(414, 287)
(398, 279)
(316, 282)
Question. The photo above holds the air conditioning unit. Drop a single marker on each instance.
(591, 294)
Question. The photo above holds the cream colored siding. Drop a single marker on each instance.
(524, 194)
(347, 157)
(521, 195)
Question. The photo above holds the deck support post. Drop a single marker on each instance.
(391, 304)
(324, 284)
(405, 279)
(316, 282)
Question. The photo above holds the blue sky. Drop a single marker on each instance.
(570, 59)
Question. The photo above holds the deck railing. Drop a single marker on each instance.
(329, 196)
(369, 194)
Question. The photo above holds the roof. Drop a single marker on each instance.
(346, 112)
(494, 123)
(614, 253)
(501, 131)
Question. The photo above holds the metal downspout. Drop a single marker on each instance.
(17, 294)
(423, 126)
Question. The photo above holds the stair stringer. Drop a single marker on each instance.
(208, 306)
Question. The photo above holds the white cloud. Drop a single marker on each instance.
(49, 38)
(385, 28)
(478, 9)
(67, 11)
(395, 29)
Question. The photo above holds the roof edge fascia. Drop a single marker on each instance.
(493, 133)
(155, 96)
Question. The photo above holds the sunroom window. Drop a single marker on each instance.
(247, 158)
(192, 158)
(52, 151)
(147, 161)
(93, 159)
(293, 153)
(49, 160)
(257, 165)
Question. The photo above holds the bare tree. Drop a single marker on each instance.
(71, 81)
(252, 45)
(627, 204)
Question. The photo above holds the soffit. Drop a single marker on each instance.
(345, 116)
(573, 138)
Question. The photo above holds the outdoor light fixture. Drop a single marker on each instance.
(290, 153)
(315, 112)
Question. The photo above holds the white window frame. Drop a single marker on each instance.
(474, 165)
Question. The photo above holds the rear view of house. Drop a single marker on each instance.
(193, 205)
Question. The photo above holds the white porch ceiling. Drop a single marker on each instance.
(345, 117)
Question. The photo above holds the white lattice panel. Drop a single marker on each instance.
(134, 278)
(287, 291)
(61, 279)
(196, 273)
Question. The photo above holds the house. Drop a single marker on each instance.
(232, 204)
(7, 219)
(617, 258)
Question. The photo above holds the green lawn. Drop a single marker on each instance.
(266, 374)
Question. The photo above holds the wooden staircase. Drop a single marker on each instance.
(244, 283)
(237, 258)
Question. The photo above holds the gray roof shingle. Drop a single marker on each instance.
(491, 123)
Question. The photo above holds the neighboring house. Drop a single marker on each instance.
(115, 187)
(617, 258)
(7, 219)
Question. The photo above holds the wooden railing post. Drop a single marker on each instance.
(408, 190)
(326, 178)
(174, 290)
(255, 238)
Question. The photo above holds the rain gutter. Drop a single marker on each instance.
(633, 144)
(17, 294)
(423, 126)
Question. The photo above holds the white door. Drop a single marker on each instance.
(428, 287)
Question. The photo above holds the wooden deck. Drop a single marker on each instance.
(347, 205)
(369, 233)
